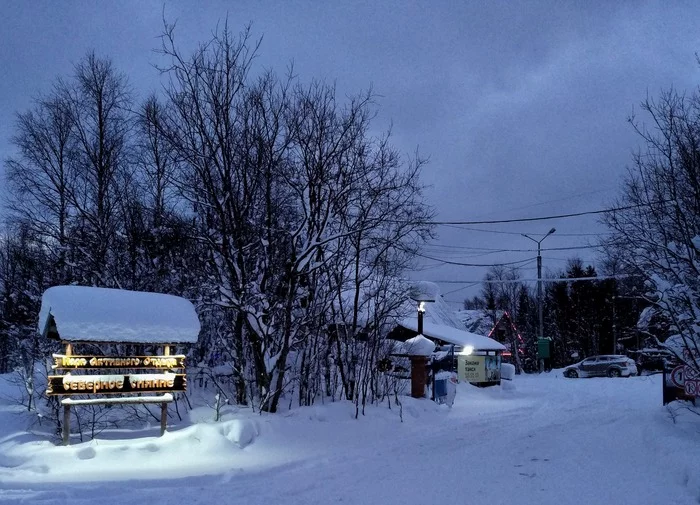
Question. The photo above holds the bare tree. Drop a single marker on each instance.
(40, 177)
(98, 102)
(658, 229)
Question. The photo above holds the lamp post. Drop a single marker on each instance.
(539, 284)
(419, 363)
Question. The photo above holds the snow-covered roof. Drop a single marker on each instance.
(419, 346)
(454, 335)
(477, 321)
(87, 314)
(424, 290)
(437, 311)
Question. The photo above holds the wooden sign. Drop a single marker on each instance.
(102, 362)
(116, 384)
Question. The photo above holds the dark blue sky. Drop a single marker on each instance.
(520, 106)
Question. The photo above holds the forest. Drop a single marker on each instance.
(267, 202)
(277, 209)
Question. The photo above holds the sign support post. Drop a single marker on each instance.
(66, 424)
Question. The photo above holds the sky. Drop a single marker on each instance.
(520, 107)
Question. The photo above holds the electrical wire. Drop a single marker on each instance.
(544, 279)
(474, 264)
(541, 218)
(468, 248)
(500, 232)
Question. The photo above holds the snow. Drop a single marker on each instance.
(167, 397)
(424, 290)
(437, 311)
(419, 346)
(114, 315)
(454, 335)
(476, 321)
(507, 371)
(542, 439)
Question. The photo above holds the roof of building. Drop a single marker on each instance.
(453, 335)
(88, 314)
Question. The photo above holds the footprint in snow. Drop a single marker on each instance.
(87, 453)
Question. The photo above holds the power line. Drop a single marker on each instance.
(541, 218)
(468, 248)
(544, 279)
(528, 233)
(561, 199)
(462, 288)
(474, 264)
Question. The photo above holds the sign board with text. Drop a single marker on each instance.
(476, 368)
(471, 368)
(105, 362)
(115, 384)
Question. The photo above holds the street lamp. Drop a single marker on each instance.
(539, 281)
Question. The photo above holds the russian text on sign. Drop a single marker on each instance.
(77, 362)
(110, 384)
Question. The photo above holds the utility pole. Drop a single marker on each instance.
(539, 286)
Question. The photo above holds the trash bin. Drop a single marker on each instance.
(445, 387)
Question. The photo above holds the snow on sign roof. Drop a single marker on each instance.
(454, 335)
(86, 314)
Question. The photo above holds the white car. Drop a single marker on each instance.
(602, 366)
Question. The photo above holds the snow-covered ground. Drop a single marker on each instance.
(542, 440)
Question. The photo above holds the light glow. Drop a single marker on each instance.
(468, 350)
(421, 307)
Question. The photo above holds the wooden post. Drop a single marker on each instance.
(418, 376)
(66, 424)
(164, 406)
(163, 417)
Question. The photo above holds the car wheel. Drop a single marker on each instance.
(613, 372)
(572, 374)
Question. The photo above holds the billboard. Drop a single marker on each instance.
(479, 368)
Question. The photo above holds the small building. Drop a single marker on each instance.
(444, 335)
(442, 325)
(506, 333)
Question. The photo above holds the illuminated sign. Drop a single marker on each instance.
(115, 384)
(96, 362)
(471, 368)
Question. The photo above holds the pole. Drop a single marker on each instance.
(163, 418)
(539, 291)
(66, 424)
(614, 325)
(540, 305)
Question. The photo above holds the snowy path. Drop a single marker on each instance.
(596, 441)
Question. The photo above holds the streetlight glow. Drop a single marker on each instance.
(467, 350)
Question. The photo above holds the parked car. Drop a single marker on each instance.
(602, 366)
